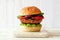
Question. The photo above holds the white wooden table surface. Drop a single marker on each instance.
(6, 35)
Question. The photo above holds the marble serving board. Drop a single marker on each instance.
(41, 34)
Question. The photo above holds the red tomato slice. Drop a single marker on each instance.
(38, 18)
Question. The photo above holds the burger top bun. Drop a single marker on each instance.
(30, 10)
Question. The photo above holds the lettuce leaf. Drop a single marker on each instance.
(30, 25)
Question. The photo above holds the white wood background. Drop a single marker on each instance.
(9, 9)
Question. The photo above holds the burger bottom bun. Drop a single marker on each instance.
(31, 29)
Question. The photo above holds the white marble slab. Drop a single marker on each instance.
(42, 34)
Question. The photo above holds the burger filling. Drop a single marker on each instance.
(32, 17)
(31, 25)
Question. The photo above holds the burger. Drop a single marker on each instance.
(30, 18)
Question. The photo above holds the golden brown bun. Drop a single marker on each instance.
(31, 29)
(30, 10)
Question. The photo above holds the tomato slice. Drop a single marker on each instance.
(38, 18)
(31, 17)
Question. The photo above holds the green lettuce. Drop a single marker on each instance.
(30, 25)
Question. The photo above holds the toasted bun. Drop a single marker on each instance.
(30, 29)
(30, 10)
